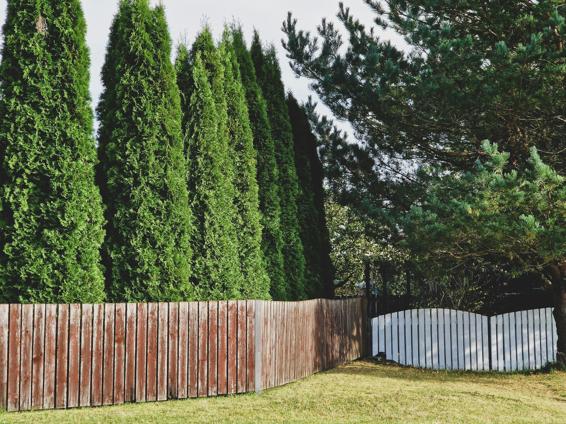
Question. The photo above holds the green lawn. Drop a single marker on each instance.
(355, 393)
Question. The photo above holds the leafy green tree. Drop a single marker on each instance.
(142, 169)
(311, 202)
(216, 261)
(463, 73)
(516, 220)
(466, 72)
(51, 215)
(267, 172)
(269, 78)
(248, 219)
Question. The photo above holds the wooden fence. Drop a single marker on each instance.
(66, 356)
(456, 340)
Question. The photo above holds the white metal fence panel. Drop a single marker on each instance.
(458, 340)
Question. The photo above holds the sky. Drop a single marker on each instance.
(186, 18)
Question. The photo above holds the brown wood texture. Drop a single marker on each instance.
(151, 366)
(4, 317)
(26, 357)
(193, 350)
(141, 352)
(38, 356)
(183, 352)
(130, 354)
(62, 356)
(86, 355)
(119, 353)
(97, 354)
(202, 349)
(50, 356)
(74, 356)
(65, 356)
(162, 351)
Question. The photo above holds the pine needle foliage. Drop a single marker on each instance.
(143, 169)
(248, 219)
(51, 214)
(312, 216)
(267, 173)
(269, 78)
(216, 261)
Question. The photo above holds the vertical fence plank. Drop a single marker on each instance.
(141, 352)
(441, 339)
(74, 360)
(4, 314)
(38, 355)
(193, 349)
(108, 362)
(26, 357)
(152, 340)
(130, 353)
(162, 351)
(97, 354)
(232, 346)
(173, 352)
(183, 351)
(434, 337)
(241, 352)
(202, 349)
(222, 348)
(212, 348)
(250, 340)
(85, 355)
(520, 342)
(50, 356)
(119, 353)
(531, 332)
(14, 344)
(62, 357)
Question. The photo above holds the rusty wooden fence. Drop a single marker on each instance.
(67, 356)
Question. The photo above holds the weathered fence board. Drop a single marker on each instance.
(457, 340)
(66, 356)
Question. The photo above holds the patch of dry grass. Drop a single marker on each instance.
(362, 392)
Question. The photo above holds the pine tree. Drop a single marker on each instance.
(269, 77)
(267, 173)
(312, 217)
(51, 215)
(248, 219)
(216, 261)
(142, 171)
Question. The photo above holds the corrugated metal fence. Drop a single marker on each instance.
(457, 340)
(66, 356)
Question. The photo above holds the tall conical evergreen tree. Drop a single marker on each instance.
(216, 262)
(269, 77)
(319, 274)
(267, 173)
(143, 170)
(248, 219)
(51, 215)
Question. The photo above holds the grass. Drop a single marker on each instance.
(361, 392)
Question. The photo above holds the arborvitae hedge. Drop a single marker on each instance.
(51, 224)
(216, 263)
(248, 219)
(143, 170)
(267, 173)
(312, 217)
(269, 77)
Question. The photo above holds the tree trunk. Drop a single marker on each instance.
(558, 278)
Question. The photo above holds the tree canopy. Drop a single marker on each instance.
(51, 215)
(142, 169)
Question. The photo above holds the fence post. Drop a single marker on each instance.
(258, 345)
(489, 341)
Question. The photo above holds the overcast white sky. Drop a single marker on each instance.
(186, 18)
